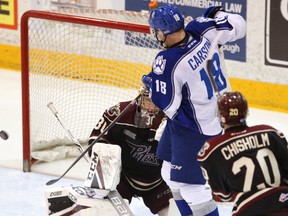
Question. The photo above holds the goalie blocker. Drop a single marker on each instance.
(110, 157)
(89, 199)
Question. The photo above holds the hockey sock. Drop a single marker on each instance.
(209, 208)
(184, 208)
(213, 213)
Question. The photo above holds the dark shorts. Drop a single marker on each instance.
(180, 146)
(155, 199)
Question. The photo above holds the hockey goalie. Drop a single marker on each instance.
(98, 195)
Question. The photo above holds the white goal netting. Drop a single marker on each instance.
(83, 63)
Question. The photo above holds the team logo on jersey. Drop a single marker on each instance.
(203, 149)
(143, 154)
(115, 110)
(159, 65)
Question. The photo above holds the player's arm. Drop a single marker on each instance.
(165, 85)
(224, 20)
(97, 130)
(214, 179)
(213, 173)
(108, 116)
(232, 26)
(282, 153)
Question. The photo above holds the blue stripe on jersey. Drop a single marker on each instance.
(186, 112)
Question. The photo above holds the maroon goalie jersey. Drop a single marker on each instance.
(135, 135)
(249, 166)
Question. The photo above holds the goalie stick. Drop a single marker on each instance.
(99, 175)
(119, 204)
(51, 106)
(114, 197)
(96, 140)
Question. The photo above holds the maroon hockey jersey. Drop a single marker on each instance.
(137, 143)
(248, 166)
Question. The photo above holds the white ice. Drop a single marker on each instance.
(22, 194)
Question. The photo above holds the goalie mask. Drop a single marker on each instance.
(146, 111)
(232, 108)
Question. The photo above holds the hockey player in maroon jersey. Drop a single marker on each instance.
(141, 169)
(246, 165)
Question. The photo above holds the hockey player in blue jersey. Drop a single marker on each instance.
(179, 85)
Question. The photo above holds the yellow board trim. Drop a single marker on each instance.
(263, 95)
(259, 94)
(99, 70)
(10, 57)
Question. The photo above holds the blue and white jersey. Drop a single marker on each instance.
(180, 82)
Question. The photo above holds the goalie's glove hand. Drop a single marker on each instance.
(160, 129)
(211, 11)
(147, 81)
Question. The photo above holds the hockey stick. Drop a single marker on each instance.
(51, 106)
(114, 197)
(99, 176)
(210, 62)
(96, 140)
(223, 67)
(4, 135)
(119, 204)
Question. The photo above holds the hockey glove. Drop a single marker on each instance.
(147, 81)
(211, 11)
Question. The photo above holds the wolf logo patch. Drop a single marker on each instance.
(159, 65)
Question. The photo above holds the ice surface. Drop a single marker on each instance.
(22, 194)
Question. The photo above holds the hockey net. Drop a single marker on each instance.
(84, 62)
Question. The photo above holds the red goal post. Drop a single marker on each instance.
(83, 63)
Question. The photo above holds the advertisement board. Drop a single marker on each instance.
(8, 14)
(194, 8)
(276, 46)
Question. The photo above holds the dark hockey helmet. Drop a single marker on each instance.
(232, 108)
(146, 105)
(166, 18)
